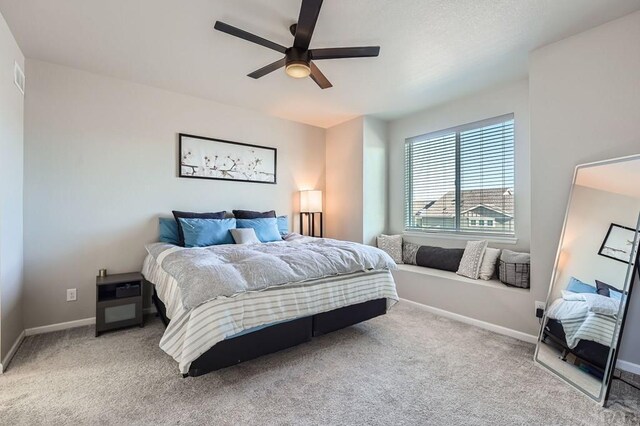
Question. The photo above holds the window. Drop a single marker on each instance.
(461, 180)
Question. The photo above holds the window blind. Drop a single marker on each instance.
(462, 179)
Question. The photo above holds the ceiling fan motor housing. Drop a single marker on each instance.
(299, 56)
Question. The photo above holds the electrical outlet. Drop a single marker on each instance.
(71, 294)
(540, 305)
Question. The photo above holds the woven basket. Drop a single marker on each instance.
(514, 274)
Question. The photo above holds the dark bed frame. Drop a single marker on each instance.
(276, 337)
(593, 354)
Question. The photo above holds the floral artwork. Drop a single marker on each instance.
(207, 158)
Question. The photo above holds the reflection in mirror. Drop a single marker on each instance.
(594, 266)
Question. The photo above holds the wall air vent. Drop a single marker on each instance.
(18, 77)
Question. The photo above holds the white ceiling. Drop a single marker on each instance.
(431, 50)
(620, 178)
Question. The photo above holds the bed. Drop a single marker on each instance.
(231, 303)
(583, 325)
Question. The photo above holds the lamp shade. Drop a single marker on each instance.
(311, 201)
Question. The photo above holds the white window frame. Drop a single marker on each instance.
(460, 234)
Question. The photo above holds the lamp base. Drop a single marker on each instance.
(311, 224)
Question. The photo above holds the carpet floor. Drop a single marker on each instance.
(408, 367)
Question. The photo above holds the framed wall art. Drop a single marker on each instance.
(618, 243)
(208, 158)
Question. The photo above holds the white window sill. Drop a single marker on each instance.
(462, 237)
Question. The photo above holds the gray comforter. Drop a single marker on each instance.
(205, 273)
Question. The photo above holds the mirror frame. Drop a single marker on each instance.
(628, 284)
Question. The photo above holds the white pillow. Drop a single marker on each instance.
(488, 265)
(244, 236)
(472, 259)
(392, 245)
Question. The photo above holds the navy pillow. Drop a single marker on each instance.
(250, 214)
(604, 289)
(577, 286)
(169, 230)
(191, 215)
(266, 228)
(445, 259)
(207, 232)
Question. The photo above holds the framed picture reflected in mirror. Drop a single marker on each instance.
(618, 243)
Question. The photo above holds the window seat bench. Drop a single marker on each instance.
(487, 304)
(496, 283)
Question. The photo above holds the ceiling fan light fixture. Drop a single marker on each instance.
(298, 69)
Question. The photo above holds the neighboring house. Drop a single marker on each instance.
(483, 210)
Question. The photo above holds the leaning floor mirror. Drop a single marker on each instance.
(591, 284)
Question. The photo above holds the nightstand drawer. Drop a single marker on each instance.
(118, 313)
(118, 291)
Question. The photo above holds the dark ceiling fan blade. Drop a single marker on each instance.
(345, 52)
(317, 76)
(229, 29)
(309, 12)
(268, 68)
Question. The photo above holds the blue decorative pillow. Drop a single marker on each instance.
(615, 295)
(191, 215)
(266, 228)
(577, 286)
(169, 231)
(207, 232)
(283, 225)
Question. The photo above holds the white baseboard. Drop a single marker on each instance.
(628, 366)
(7, 359)
(59, 326)
(530, 338)
(73, 324)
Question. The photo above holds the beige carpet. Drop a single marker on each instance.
(406, 368)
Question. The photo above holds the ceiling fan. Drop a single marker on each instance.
(298, 59)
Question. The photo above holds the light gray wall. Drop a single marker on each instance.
(630, 344)
(508, 98)
(344, 197)
(512, 309)
(356, 199)
(585, 107)
(375, 179)
(101, 165)
(11, 193)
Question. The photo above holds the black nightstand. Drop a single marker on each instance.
(118, 301)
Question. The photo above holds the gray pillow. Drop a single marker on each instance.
(392, 245)
(489, 261)
(509, 256)
(472, 259)
(409, 251)
(244, 236)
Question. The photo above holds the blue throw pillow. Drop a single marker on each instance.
(266, 228)
(169, 231)
(577, 286)
(616, 295)
(283, 225)
(207, 232)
